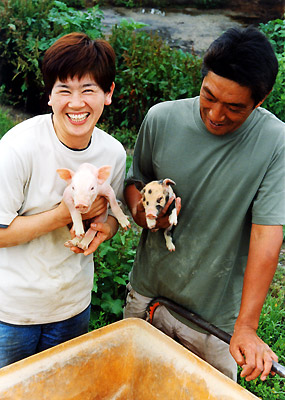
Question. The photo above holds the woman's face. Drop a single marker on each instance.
(77, 106)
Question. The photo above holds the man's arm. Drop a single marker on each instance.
(246, 347)
(133, 200)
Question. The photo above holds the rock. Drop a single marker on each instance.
(258, 10)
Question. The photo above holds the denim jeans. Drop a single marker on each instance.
(20, 341)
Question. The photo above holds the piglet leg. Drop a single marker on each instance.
(168, 239)
(109, 193)
(167, 233)
(91, 233)
(77, 227)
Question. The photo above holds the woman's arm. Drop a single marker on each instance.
(23, 229)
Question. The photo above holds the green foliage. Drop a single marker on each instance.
(74, 3)
(149, 71)
(271, 331)
(28, 28)
(125, 3)
(127, 136)
(6, 122)
(141, 3)
(275, 102)
(113, 262)
(275, 31)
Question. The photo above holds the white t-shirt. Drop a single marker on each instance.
(42, 281)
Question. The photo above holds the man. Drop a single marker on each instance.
(226, 155)
(45, 289)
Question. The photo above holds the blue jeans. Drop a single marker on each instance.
(20, 341)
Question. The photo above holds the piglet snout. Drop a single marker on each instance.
(151, 216)
(82, 208)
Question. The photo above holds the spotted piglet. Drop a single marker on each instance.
(155, 196)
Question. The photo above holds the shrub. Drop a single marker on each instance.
(275, 102)
(28, 28)
(140, 3)
(6, 122)
(149, 71)
(271, 331)
(275, 31)
(113, 261)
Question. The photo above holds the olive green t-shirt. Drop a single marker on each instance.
(226, 183)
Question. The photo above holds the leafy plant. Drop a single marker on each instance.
(149, 71)
(113, 261)
(28, 28)
(6, 122)
(271, 331)
(275, 102)
(275, 31)
(139, 3)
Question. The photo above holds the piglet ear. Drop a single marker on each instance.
(65, 174)
(103, 173)
(168, 181)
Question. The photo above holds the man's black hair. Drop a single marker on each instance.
(246, 57)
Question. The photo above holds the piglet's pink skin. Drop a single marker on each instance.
(84, 186)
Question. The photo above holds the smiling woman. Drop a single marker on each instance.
(77, 90)
(53, 287)
(77, 106)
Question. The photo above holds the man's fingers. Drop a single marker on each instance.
(165, 208)
(238, 356)
(258, 363)
(252, 368)
(178, 204)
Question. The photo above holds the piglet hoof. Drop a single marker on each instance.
(173, 220)
(171, 247)
(124, 222)
(79, 234)
(72, 243)
(82, 246)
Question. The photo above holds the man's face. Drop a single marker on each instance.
(224, 104)
(77, 106)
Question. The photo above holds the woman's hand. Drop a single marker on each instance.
(105, 231)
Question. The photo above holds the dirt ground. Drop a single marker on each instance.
(190, 29)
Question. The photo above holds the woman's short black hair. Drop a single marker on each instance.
(75, 54)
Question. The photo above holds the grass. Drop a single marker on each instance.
(6, 122)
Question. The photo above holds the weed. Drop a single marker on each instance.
(6, 122)
(113, 261)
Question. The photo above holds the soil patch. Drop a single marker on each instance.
(189, 30)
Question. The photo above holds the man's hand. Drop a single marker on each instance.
(162, 221)
(251, 353)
